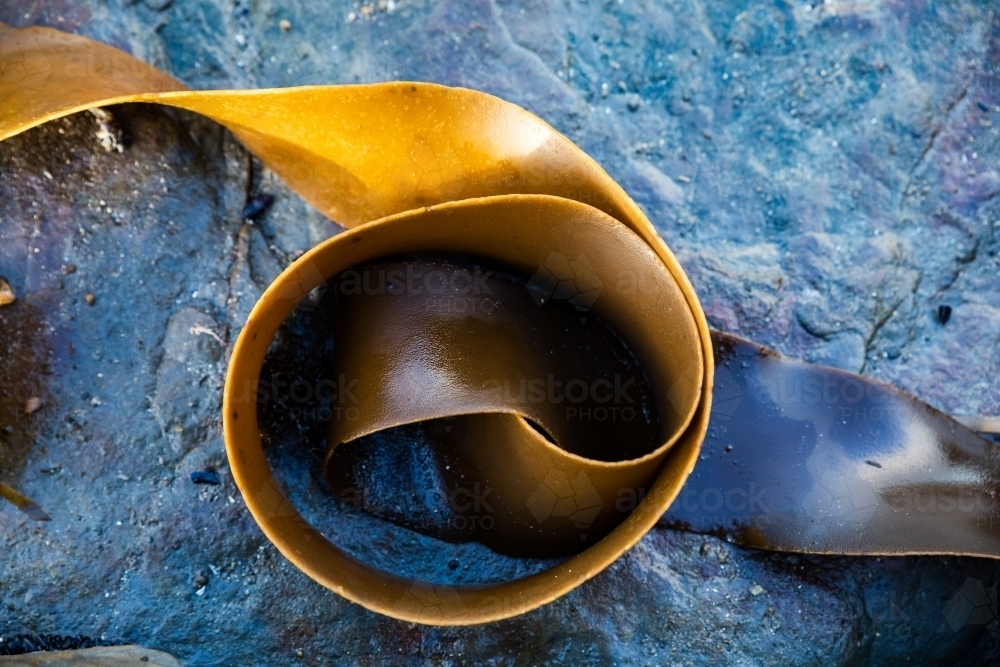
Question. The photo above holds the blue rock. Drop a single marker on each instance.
(826, 172)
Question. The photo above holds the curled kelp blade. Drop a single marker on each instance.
(360, 152)
(357, 153)
(812, 459)
(46, 74)
(23, 503)
(500, 228)
(423, 340)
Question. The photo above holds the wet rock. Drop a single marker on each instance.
(798, 158)
(192, 351)
(264, 263)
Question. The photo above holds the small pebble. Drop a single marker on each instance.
(206, 477)
(90, 299)
(33, 405)
(6, 293)
(634, 103)
(68, 269)
(299, 653)
(757, 589)
(943, 313)
(453, 564)
(892, 353)
(285, 25)
(257, 205)
(200, 580)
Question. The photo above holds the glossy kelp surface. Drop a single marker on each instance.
(807, 458)
(474, 346)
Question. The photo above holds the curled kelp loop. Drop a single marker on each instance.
(428, 173)
(517, 232)
(449, 362)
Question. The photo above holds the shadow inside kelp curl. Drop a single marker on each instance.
(397, 515)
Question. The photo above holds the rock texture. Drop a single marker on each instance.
(827, 174)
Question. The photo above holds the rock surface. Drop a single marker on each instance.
(826, 174)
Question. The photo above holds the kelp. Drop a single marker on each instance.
(23, 503)
(493, 276)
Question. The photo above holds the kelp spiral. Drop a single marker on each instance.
(578, 292)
